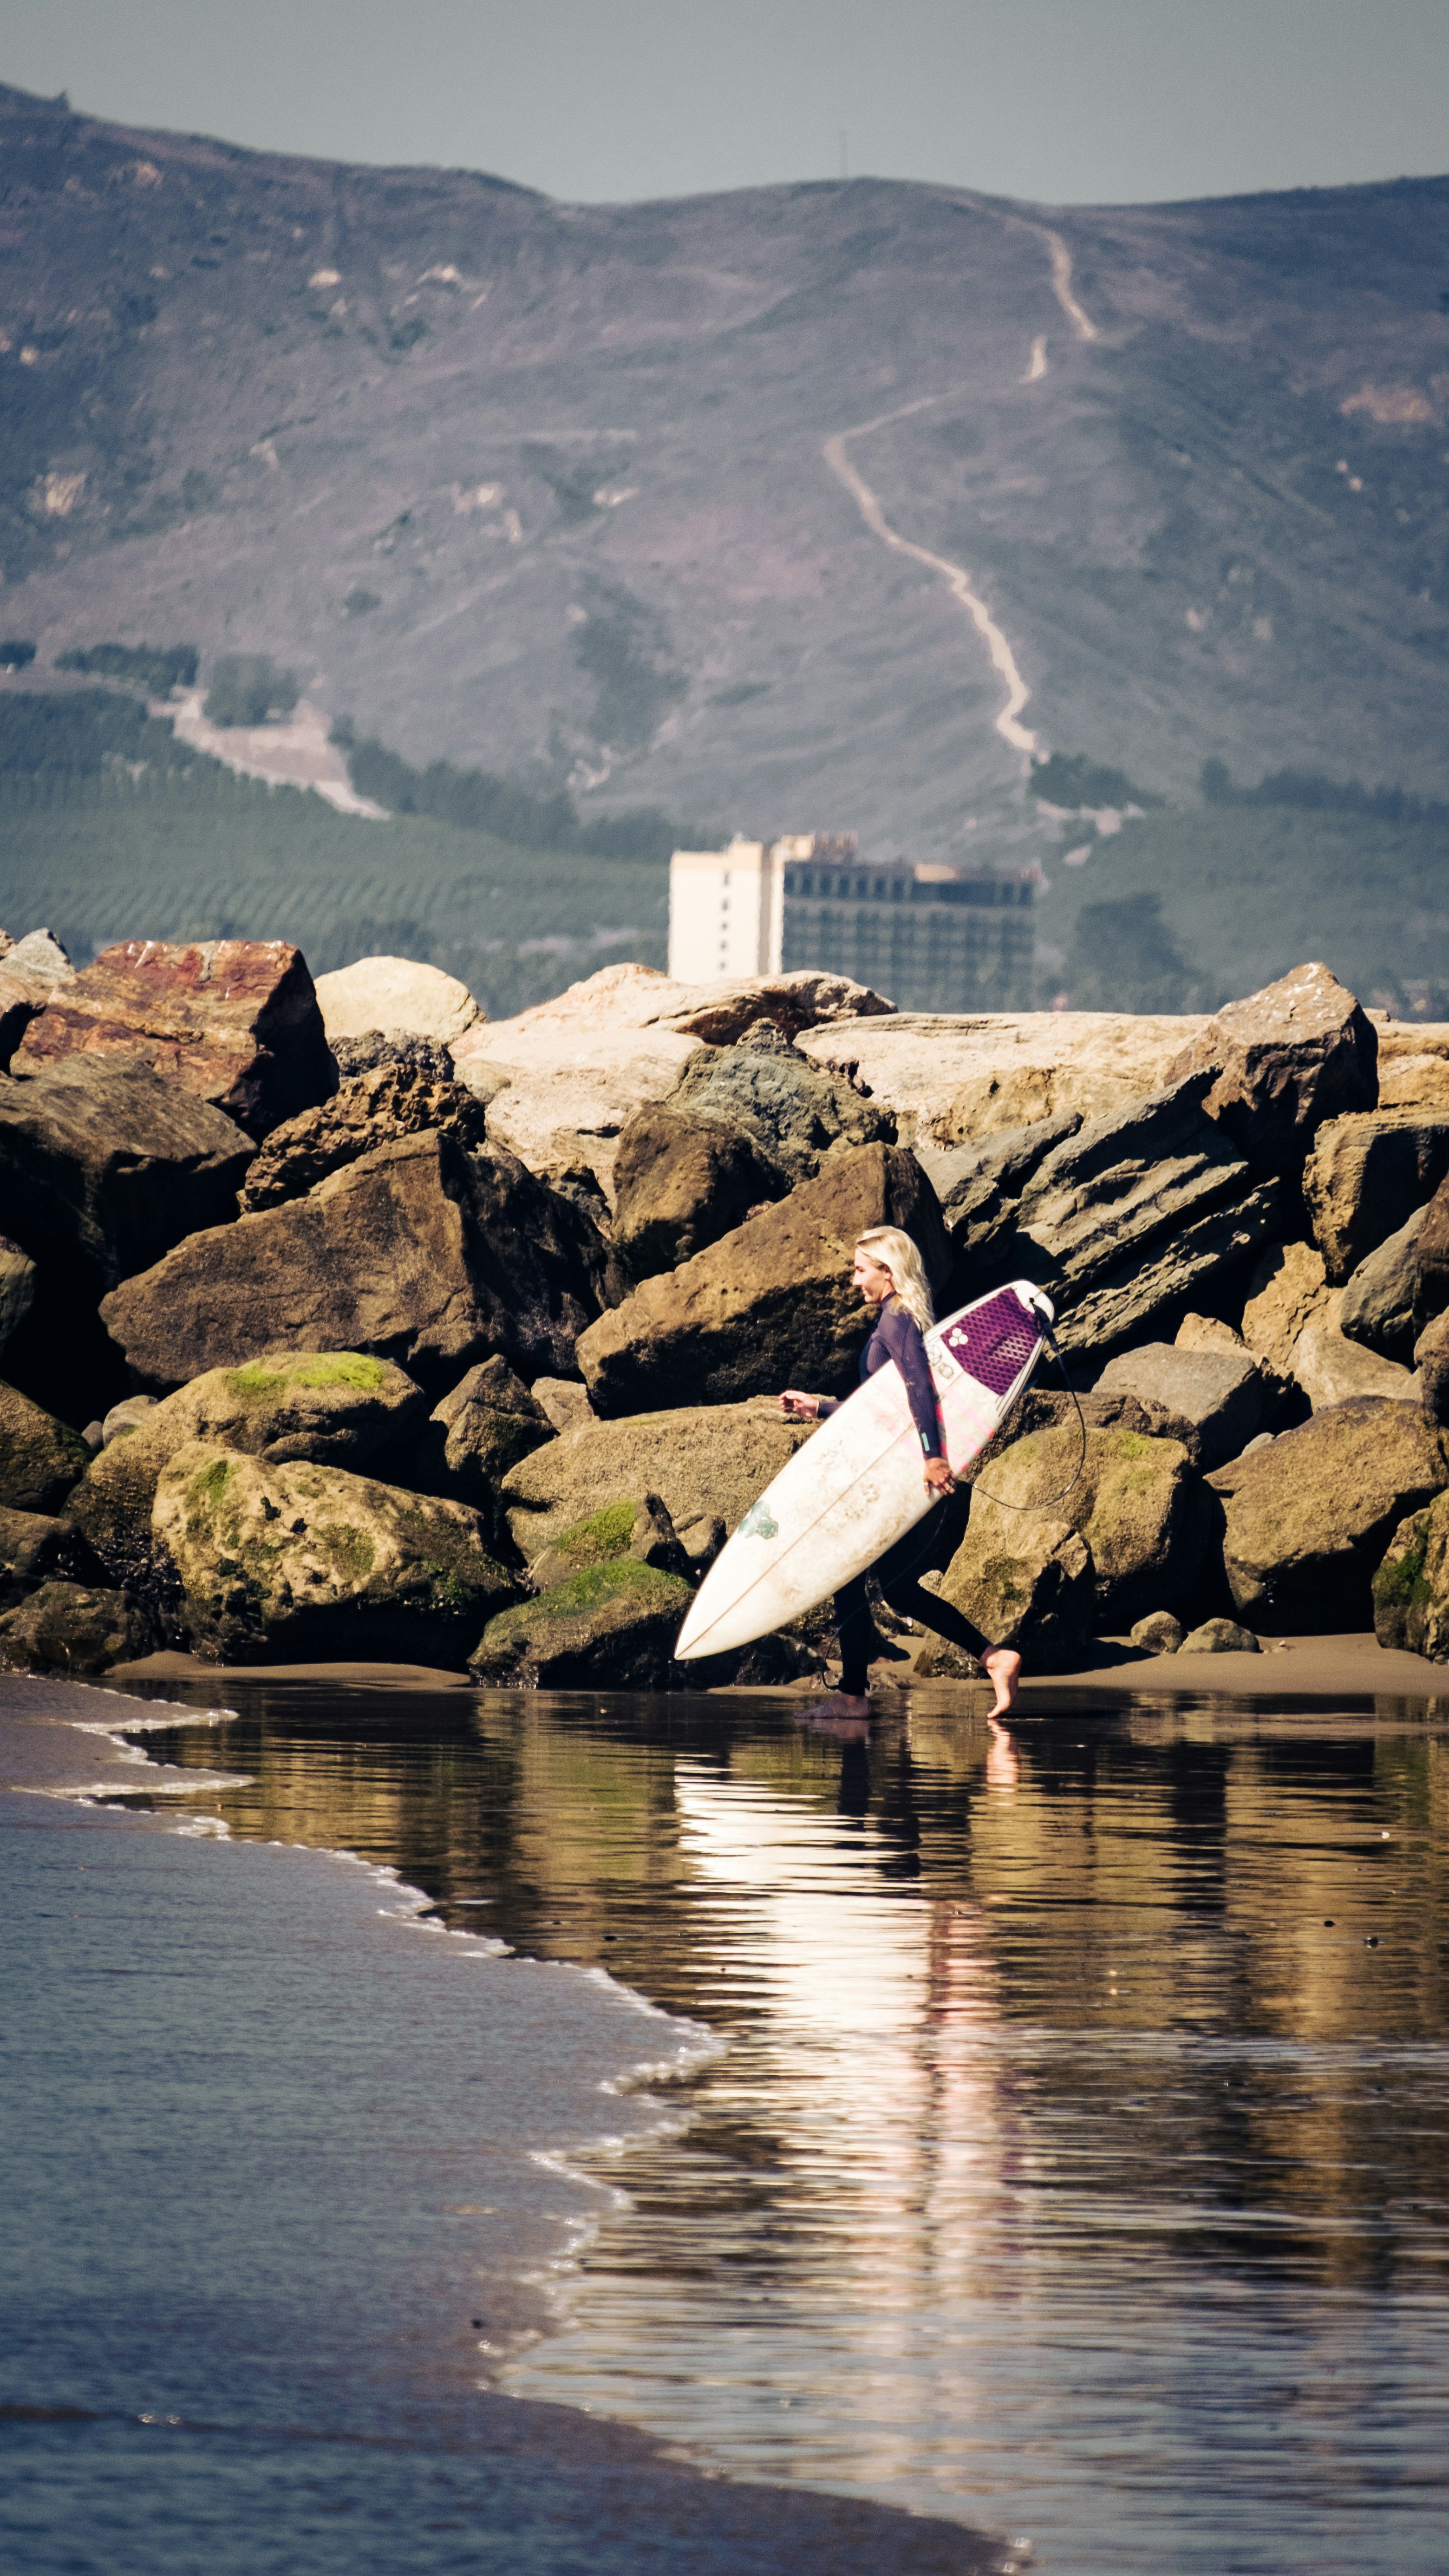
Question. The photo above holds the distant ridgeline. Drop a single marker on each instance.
(112, 829)
(1178, 908)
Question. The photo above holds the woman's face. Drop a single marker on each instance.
(874, 1283)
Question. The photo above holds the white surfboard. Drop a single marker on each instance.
(856, 1485)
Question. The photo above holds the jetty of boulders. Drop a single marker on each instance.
(338, 1323)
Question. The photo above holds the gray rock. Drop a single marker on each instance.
(17, 1289)
(1365, 1178)
(105, 1166)
(41, 956)
(72, 1628)
(124, 1416)
(35, 1548)
(419, 1253)
(1220, 1637)
(979, 1185)
(1378, 1303)
(292, 1561)
(482, 1428)
(1158, 1634)
(1218, 1394)
(682, 1182)
(1283, 1060)
(796, 1114)
(41, 1459)
(1309, 1517)
(392, 1051)
(564, 1400)
(1126, 1304)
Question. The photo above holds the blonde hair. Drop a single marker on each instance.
(894, 1251)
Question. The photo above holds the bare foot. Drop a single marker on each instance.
(1003, 1668)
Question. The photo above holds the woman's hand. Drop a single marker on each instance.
(939, 1476)
(806, 1408)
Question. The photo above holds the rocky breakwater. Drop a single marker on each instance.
(390, 1333)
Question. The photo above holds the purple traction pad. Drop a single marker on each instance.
(995, 1341)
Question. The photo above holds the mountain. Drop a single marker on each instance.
(800, 507)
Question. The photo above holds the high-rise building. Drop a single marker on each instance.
(933, 938)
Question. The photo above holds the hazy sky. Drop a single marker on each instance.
(1074, 101)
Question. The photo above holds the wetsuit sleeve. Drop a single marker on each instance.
(902, 1337)
(828, 1404)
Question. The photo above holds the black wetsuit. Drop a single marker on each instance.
(897, 1337)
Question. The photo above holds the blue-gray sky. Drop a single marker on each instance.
(1073, 101)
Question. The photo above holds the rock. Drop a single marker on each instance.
(1131, 1302)
(1330, 1368)
(41, 958)
(36, 1547)
(1135, 1501)
(40, 1458)
(796, 1114)
(1411, 1586)
(682, 1182)
(1288, 1286)
(564, 1401)
(1431, 1282)
(769, 1305)
(1431, 1361)
(92, 1436)
(17, 1289)
(720, 1010)
(1282, 1061)
(705, 1461)
(391, 1051)
(1309, 1517)
(31, 971)
(1158, 1634)
(125, 1416)
(1220, 1637)
(1024, 1580)
(481, 1429)
(566, 1114)
(70, 1628)
(291, 1561)
(419, 1253)
(636, 1526)
(395, 1100)
(393, 994)
(1220, 1394)
(106, 1166)
(954, 1078)
(612, 1627)
(234, 1021)
(1413, 1063)
(979, 1185)
(1377, 1306)
(335, 1408)
(1366, 1176)
(1207, 1333)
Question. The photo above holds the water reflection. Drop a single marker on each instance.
(1077, 2164)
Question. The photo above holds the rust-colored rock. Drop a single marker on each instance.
(233, 1020)
(1284, 1059)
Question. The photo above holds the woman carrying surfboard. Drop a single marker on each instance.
(889, 1273)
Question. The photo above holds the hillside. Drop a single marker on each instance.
(605, 497)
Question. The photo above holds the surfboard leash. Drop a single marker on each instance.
(1051, 1500)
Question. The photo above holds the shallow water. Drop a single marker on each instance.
(1077, 2164)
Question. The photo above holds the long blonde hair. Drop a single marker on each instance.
(894, 1251)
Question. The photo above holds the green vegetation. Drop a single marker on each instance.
(1068, 778)
(329, 1368)
(246, 688)
(606, 1534)
(15, 653)
(156, 669)
(62, 740)
(1315, 794)
(475, 800)
(1127, 944)
(360, 602)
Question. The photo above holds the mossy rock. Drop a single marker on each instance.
(1411, 1587)
(1137, 1502)
(70, 1628)
(610, 1626)
(288, 1560)
(40, 1459)
(637, 1526)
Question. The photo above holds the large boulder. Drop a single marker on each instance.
(612, 1626)
(1431, 1363)
(1411, 1586)
(1218, 1394)
(482, 1428)
(393, 993)
(30, 970)
(707, 1462)
(1137, 1502)
(1309, 1516)
(1330, 1368)
(234, 1021)
(1134, 1213)
(72, 1628)
(40, 1458)
(394, 1099)
(1366, 1176)
(1282, 1061)
(420, 1253)
(36, 1548)
(979, 1185)
(105, 1166)
(1431, 1260)
(1377, 1307)
(770, 1305)
(17, 1289)
(637, 1525)
(952, 1078)
(1025, 1580)
(1413, 1063)
(796, 1114)
(682, 1182)
(1287, 1288)
(285, 1562)
(335, 1408)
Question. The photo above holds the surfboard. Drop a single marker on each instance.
(855, 1486)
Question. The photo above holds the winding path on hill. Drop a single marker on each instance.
(956, 577)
